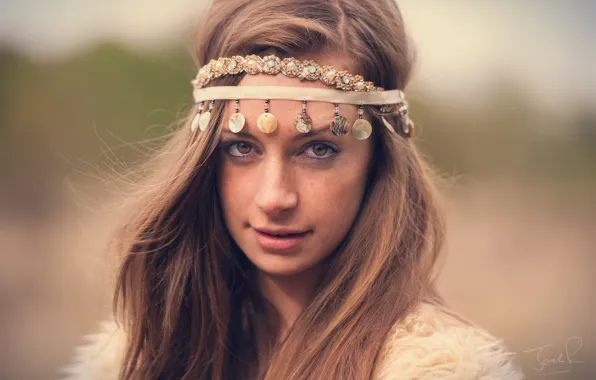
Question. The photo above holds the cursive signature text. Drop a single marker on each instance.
(572, 347)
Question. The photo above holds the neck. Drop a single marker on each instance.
(289, 294)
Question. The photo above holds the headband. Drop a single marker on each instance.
(346, 89)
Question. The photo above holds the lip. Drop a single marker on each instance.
(269, 242)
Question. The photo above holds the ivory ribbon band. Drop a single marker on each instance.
(298, 93)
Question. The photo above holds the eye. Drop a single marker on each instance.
(238, 149)
(321, 150)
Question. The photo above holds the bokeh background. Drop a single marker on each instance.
(504, 98)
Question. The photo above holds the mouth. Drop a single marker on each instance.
(280, 240)
(282, 234)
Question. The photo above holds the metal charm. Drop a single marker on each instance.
(303, 122)
(339, 123)
(206, 117)
(195, 120)
(237, 120)
(267, 123)
(361, 129)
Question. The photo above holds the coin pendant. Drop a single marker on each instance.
(303, 123)
(361, 129)
(236, 122)
(204, 120)
(339, 125)
(267, 123)
(195, 122)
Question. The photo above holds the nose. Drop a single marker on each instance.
(276, 193)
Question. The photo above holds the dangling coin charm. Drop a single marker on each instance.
(361, 128)
(237, 120)
(303, 122)
(267, 123)
(338, 124)
(206, 117)
(195, 120)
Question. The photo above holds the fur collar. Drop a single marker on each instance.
(430, 343)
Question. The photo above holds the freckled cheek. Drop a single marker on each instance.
(236, 191)
(335, 198)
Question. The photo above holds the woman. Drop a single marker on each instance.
(274, 243)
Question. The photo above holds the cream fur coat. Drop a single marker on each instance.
(428, 344)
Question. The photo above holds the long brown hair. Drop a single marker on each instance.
(186, 292)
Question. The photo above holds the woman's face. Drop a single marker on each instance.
(289, 198)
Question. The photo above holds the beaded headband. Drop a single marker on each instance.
(348, 89)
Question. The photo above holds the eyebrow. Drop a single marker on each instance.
(313, 132)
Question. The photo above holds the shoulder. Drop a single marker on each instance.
(428, 343)
(100, 357)
(432, 342)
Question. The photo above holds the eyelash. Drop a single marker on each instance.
(228, 145)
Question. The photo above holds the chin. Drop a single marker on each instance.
(279, 265)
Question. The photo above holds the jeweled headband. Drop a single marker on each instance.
(348, 89)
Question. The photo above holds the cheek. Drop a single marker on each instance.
(333, 202)
(335, 197)
(235, 192)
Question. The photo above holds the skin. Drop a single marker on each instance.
(290, 180)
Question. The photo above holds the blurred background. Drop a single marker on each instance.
(504, 98)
